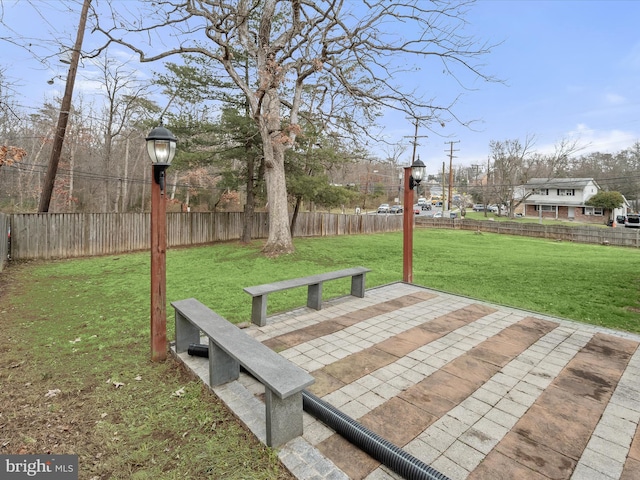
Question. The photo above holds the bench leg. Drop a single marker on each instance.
(259, 310)
(186, 333)
(357, 285)
(222, 367)
(314, 296)
(284, 417)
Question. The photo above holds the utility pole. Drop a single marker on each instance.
(415, 136)
(486, 195)
(451, 170)
(445, 207)
(63, 118)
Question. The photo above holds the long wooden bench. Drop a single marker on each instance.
(314, 294)
(230, 347)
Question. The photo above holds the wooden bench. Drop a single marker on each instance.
(230, 347)
(314, 294)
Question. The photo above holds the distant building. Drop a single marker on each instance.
(564, 199)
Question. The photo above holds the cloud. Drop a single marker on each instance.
(605, 141)
(614, 99)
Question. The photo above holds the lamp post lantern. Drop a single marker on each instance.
(161, 147)
(413, 175)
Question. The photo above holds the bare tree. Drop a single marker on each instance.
(124, 105)
(514, 163)
(362, 51)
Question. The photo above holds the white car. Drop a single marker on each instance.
(384, 208)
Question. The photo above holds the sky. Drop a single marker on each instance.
(569, 70)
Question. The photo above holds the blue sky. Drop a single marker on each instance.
(570, 70)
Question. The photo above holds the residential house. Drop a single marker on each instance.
(564, 199)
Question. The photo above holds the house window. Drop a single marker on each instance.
(541, 191)
(545, 208)
(594, 211)
(566, 192)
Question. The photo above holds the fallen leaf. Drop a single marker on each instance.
(138, 378)
(178, 393)
(52, 393)
(118, 384)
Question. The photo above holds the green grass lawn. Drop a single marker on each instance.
(471, 215)
(82, 326)
(590, 283)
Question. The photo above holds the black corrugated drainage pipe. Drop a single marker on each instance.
(401, 462)
(390, 455)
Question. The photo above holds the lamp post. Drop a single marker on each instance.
(413, 175)
(161, 147)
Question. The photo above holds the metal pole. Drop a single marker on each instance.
(158, 266)
(407, 229)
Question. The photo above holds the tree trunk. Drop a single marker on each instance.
(279, 240)
(247, 220)
(274, 144)
(294, 217)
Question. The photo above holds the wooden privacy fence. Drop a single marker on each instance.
(4, 242)
(67, 235)
(619, 236)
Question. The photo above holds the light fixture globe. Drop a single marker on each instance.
(161, 146)
(418, 170)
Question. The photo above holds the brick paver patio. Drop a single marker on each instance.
(476, 391)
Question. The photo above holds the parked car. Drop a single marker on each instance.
(478, 207)
(620, 219)
(632, 221)
(384, 208)
(396, 209)
(437, 215)
(424, 204)
(417, 209)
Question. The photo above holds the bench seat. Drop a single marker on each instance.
(230, 347)
(314, 294)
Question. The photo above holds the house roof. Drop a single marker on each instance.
(560, 183)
